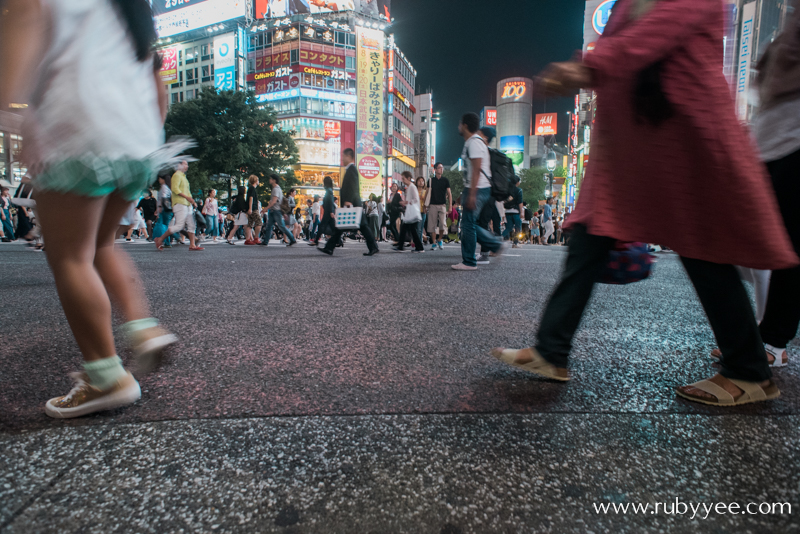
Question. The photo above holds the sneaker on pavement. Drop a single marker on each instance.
(149, 347)
(463, 267)
(194, 249)
(420, 251)
(441, 245)
(84, 398)
(433, 247)
(483, 259)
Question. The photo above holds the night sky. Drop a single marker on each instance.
(462, 48)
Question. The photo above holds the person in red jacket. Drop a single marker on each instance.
(664, 105)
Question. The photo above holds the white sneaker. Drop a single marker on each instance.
(84, 398)
(433, 247)
(463, 267)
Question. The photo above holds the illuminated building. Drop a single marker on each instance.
(307, 67)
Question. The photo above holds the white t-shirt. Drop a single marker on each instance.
(475, 148)
(277, 194)
(315, 209)
(92, 97)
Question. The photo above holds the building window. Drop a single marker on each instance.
(205, 52)
(350, 63)
(190, 94)
(206, 73)
(175, 98)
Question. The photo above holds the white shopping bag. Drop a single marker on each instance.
(348, 218)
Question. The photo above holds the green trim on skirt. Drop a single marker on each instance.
(98, 177)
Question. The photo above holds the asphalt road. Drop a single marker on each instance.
(353, 394)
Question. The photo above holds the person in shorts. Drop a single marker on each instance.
(440, 200)
(254, 222)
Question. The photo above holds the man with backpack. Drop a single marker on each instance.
(477, 192)
(275, 208)
(514, 209)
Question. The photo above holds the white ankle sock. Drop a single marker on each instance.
(104, 373)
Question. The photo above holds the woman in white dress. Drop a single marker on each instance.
(93, 142)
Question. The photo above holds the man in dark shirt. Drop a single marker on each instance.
(441, 199)
(148, 205)
(514, 210)
(350, 197)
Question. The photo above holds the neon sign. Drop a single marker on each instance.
(515, 90)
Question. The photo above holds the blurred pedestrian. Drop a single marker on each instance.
(182, 204)
(93, 142)
(440, 200)
(648, 69)
(777, 130)
(252, 229)
(422, 191)
(275, 213)
(211, 213)
(477, 198)
(5, 215)
(351, 198)
(411, 216)
(514, 210)
(395, 210)
(149, 206)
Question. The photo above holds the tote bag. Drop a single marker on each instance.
(349, 218)
(412, 214)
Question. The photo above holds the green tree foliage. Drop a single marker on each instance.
(234, 136)
(533, 185)
(456, 180)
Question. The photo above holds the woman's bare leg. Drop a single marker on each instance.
(70, 224)
(116, 270)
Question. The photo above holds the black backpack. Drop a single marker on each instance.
(502, 178)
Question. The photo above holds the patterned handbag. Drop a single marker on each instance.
(348, 218)
(628, 263)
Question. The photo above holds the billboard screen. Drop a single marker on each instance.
(319, 142)
(267, 9)
(177, 16)
(546, 124)
(369, 124)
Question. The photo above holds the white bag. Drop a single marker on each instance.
(412, 214)
(349, 218)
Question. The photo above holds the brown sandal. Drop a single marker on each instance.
(751, 392)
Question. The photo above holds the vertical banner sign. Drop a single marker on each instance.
(745, 57)
(224, 62)
(369, 123)
(169, 66)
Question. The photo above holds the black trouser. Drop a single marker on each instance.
(782, 316)
(718, 287)
(365, 231)
(393, 227)
(489, 214)
(413, 229)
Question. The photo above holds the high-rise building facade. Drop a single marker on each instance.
(333, 74)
